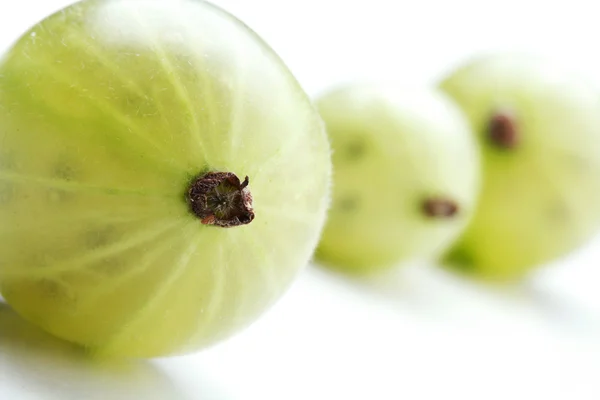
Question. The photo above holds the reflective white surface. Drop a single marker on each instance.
(417, 333)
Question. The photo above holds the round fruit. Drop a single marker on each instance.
(538, 128)
(163, 177)
(406, 172)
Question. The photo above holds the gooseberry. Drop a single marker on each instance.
(538, 129)
(163, 176)
(406, 175)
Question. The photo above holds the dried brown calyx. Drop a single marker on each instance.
(438, 207)
(502, 130)
(220, 199)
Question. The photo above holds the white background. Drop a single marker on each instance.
(414, 334)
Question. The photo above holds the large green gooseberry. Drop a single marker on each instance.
(163, 177)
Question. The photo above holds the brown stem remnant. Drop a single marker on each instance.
(502, 130)
(220, 199)
(438, 207)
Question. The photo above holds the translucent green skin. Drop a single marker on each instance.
(107, 110)
(541, 199)
(394, 148)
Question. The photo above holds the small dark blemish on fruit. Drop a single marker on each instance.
(50, 288)
(99, 237)
(54, 290)
(439, 207)
(558, 213)
(347, 204)
(109, 266)
(221, 199)
(64, 172)
(355, 149)
(502, 130)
